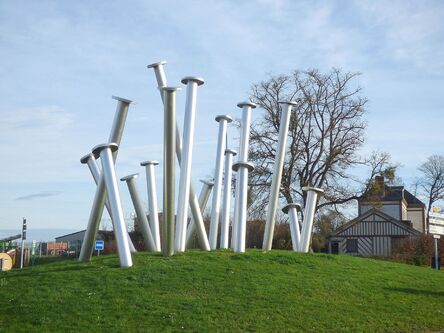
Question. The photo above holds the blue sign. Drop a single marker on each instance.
(100, 245)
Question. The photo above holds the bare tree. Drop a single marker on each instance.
(432, 181)
(326, 131)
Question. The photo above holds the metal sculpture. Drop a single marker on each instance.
(242, 167)
(177, 233)
(307, 225)
(90, 160)
(226, 199)
(204, 195)
(292, 210)
(169, 148)
(152, 201)
(100, 195)
(223, 121)
(277, 174)
(140, 211)
(106, 151)
(187, 156)
(194, 202)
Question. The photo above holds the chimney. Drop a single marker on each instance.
(380, 185)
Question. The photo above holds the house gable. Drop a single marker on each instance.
(374, 223)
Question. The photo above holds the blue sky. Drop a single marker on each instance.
(61, 61)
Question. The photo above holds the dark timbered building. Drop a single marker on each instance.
(385, 217)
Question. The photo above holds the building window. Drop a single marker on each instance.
(352, 246)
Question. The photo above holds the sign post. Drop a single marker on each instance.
(99, 245)
(436, 227)
(23, 242)
(436, 237)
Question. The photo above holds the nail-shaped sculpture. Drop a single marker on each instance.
(100, 195)
(160, 75)
(310, 208)
(105, 151)
(187, 156)
(152, 201)
(292, 210)
(91, 161)
(169, 148)
(223, 121)
(140, 212)
(277, 174)
(204, 194)
(226, 199)
(242, 167)
(194, 202)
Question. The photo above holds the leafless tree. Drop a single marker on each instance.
(326, 131)
(432, 181)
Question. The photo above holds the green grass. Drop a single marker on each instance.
(220, 291)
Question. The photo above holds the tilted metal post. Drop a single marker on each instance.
(226, 199)
(204, 194)
(152, 201)
(140, 212)
(277, 174)
(292, 210)
(215, 205)
(310, 208)
(109, 175)
(169, 147)
(100, 195)
(194, 202)
(91, 161)
(242, 167)
(187, 157)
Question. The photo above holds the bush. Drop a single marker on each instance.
(417, 250)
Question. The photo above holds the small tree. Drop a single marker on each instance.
(432, 181)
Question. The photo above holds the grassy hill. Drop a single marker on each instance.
(219, 291)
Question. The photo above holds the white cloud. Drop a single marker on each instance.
(411, 31)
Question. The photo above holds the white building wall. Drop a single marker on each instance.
(416, 216)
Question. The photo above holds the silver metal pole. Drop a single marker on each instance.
(235, 213)
(160, 75)
(277, 174)
(310, 208)
(194, 202)
(187, 157)
(215, 205)
(226, 199)
(140, 211)
(292, 210)
(207, 186)
(100, 195)
(242, 166)
(169, 169)
(90, 160)
(152, 201)
(109, 175)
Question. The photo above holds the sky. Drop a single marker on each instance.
(61, 61)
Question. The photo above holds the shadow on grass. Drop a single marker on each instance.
(49, 260)
(417, 291)
(32, 272)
